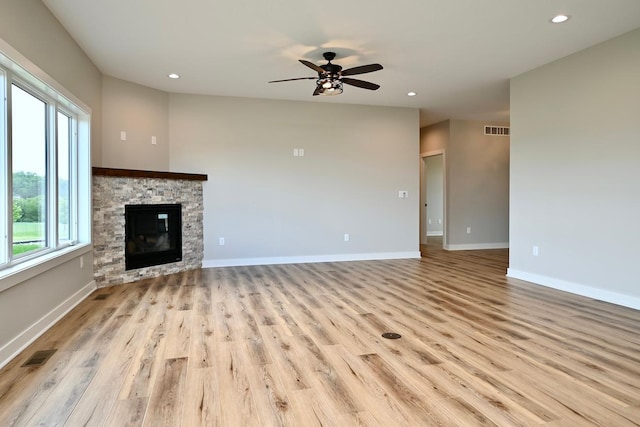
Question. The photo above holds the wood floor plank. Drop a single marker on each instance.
(139, 380)
(116, 347)
(179, 326)
(237, 407)
(56, 409)
(359, 419)
(202, 398)
(167, 399)
(301, 345)
(127, 413)
(26, 394)
(288, 361)
(584, 404)
(203, 341)
(331, 384)
(383, 406)
(424, 409)
(314, 410)
(273, 404)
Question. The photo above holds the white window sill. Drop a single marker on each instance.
(24, 271)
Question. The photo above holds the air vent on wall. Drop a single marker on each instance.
(496, 130)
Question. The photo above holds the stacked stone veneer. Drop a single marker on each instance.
(110, 194)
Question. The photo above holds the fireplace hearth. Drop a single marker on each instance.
(153, 235)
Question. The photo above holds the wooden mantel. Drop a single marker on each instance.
(133, 173)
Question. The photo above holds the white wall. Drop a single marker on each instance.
(575, 179)
(33, 299)
(273, 207)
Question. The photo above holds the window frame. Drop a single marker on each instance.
(14, 269)
(11, 258)
(72, 171)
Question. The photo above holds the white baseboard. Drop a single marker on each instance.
(434, 233)
(33, 332)
(476, 246)
(575, 288)
(236, 262)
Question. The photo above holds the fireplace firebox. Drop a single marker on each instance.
(153, 235)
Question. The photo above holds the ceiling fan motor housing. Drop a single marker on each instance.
(329, 56)
(331, 69)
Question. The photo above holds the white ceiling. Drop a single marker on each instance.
(458, 55)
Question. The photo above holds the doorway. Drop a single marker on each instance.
(432, 195)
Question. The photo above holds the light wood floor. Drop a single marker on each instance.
(301, 345)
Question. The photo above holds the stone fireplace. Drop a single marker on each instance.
(113, 190)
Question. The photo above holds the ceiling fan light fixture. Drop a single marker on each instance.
(329, 86)
(335, 88)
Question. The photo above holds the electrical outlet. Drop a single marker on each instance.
(123, 136)
(535, 251)
(346, 237)
(154, 140)
(468, 230)
(221, 241)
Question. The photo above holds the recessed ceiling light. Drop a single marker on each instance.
(558, 19)
(173, 76)
(411, 94)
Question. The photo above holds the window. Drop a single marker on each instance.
(65, 131)
(44, 168)
(29, 171)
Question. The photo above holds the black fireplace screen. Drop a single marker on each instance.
(153, 235)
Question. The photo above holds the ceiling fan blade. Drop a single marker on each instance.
(360, 83)
(361, 69)
(318, 90)
(313, 66)
(290, 80)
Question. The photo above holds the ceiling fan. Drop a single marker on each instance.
(331, 76)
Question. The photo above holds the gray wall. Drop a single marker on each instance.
(53, 287)
(476, 183)
(575, 180)
(32, 30)
(477, 187)
(273, 207)
(434, 168)
(141, 112)
(435, 137)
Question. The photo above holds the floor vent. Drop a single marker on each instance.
(39, 358)
(496, 130)
(101, 296)
(391, 335)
